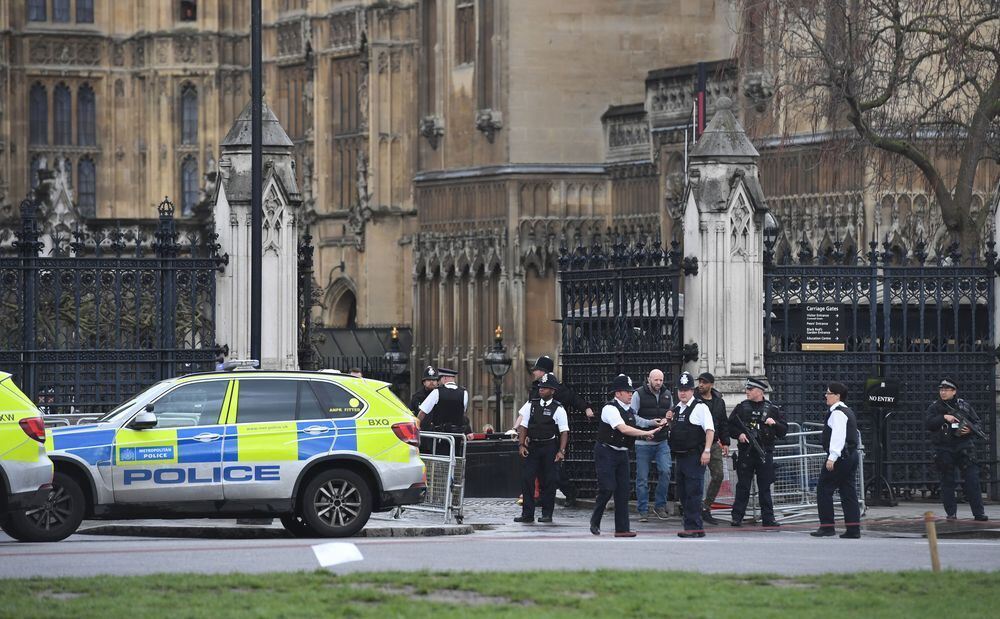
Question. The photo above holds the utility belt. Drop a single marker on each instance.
(541, 441)
(449, 429)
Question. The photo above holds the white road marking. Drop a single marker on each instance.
(336, 553)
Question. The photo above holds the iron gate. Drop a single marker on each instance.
(102, 316)
(621, 312)
(907, 319)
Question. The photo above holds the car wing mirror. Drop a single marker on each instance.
(144, 420)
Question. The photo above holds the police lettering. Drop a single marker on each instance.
(190, 475)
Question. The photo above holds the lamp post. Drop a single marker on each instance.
(397, 359)
(498, 363)
(771, 230)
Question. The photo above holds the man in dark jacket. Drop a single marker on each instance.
(570, 402)
(720, 448)
(953, 424)
(756, 422)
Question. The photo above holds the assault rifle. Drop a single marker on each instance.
(752, 438)
(963, 422)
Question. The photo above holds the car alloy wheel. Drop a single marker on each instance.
(336, 503)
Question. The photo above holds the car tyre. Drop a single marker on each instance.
(56, 520)
(295, 525)
(336, 503)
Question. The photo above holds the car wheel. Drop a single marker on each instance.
(336, 503)
(294, 524)
(56, 520)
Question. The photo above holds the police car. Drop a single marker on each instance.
(25, 470)
(321, 451)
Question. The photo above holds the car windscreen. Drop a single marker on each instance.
(120, 412)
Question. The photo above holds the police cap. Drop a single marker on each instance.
(685, 381)
(544, 363)
(429, 373)
(442, 372)
(756, 383)
(621, 383)
(948, 383)
(548, 380)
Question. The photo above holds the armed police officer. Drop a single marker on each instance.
(446, 406)
(954, 425)
(542, 434)
(570, 401)
(652, 402)
(757, 423)
(841, 441)
(617, 431)
(692, 433)
(720, 448)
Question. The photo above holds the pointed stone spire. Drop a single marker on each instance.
(271, 132)
(724, 137)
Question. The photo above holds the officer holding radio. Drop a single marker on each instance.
(954, 425)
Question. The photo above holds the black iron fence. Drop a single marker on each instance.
(102, 315)
(621, 312)
(851, 317)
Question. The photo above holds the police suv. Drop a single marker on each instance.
(321, 451)
(25, 470)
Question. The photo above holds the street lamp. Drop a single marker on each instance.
(397, 359)
(498, 363)
(771, 231)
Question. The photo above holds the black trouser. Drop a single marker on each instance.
(690, 478)
(539, 464)
(612, 480)
(959, 461)
(748, 466)
(843, 479)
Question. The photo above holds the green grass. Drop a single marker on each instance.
(541, 594)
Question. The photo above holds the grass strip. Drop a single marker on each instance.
(603, 593)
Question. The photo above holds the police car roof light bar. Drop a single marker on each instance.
(240, 365)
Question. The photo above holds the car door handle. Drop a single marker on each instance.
(207, 437)
(316, 430)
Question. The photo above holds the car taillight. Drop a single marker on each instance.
(34, 427)
(408, 432)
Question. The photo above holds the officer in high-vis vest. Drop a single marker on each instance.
(617, 431)
(839, 473)
(692, 432)
(542, 433)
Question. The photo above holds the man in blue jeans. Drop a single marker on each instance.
(652, 402)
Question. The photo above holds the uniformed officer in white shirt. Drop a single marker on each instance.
(841, 441)
(692, 433)
(616, 432)
(446, 407)
(542, 432)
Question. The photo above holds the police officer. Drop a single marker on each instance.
(542, 434)
(692, 432)
(952, 423)
(446, 406)
(429, 382)
(720, 448)
(756, 419)
(841, 441)
(570, 401)
(617, 431)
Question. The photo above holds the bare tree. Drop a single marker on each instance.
(918, 79)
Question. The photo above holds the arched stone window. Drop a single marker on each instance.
(86, 116)
(189, 186)
(62, 107)
(38, 112)
(189, 10)
(189, 114)
(86, 195)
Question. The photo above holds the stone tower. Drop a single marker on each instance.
(281, 201)
(723, 227)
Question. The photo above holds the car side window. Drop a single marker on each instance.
(267, 400)
(194, 404)
(309, 406)
(337, 402)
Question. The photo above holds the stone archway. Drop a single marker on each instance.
(341, 305)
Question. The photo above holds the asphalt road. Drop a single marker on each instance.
(524, 548)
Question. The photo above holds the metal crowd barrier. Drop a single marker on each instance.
(798, 462)
(444, 457)
(72, 419)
